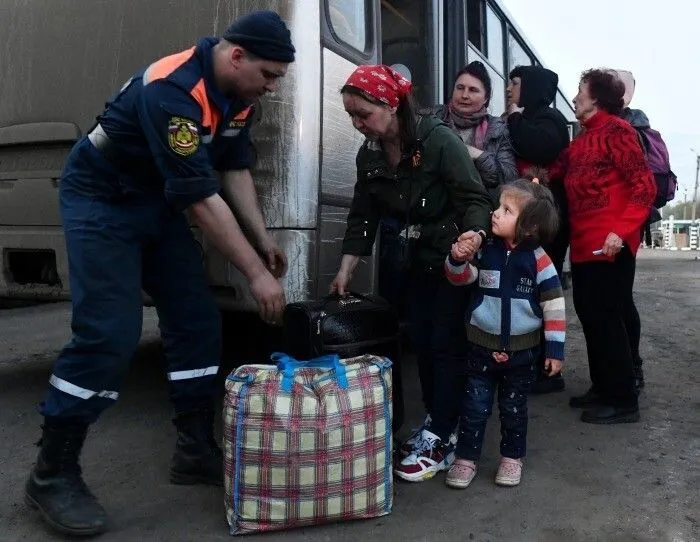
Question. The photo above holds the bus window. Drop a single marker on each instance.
(497, 104)
(409, 39)
(494, 37)
(475, 26)
(348, 20)
(498, 92)
(517, 56)
(564, 105)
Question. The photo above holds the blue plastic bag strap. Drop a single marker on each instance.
(287, 364)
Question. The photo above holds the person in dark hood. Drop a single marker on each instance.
(539, 133)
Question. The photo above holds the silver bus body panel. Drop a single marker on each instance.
(340, 143)
(63, 59)
(108, 42)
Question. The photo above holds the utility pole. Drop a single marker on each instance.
(695, 192)
(685, 202)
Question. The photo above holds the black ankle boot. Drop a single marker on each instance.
(56, 487)
(198, 459)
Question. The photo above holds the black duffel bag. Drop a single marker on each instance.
(348, 326)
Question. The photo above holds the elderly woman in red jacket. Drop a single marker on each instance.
(609, 189)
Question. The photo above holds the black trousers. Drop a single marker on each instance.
(435, 310)
(605, 306)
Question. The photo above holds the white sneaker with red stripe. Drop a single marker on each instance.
(429, 457)
(409, 445)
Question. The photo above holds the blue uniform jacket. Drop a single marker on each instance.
(172, 129)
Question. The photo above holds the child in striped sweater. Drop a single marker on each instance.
(518, 293)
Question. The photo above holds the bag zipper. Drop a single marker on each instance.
(319, 321)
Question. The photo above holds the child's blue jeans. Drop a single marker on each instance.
(512, 379)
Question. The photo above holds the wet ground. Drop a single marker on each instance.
(636, 482)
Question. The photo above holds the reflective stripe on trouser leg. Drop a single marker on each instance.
(193, 373)
(190, 322)
(105, 280)
(81, 393)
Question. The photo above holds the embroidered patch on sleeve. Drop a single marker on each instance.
(183, 136)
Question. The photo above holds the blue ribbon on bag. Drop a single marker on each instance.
(288, 365)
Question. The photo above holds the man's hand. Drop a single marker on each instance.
(219, 225)
(269, 296)
(552, 366)
(613, 244)
(274, 258)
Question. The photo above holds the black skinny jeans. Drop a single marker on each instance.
(605, 306)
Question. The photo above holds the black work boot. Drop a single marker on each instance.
(197, 459)
(56, 487)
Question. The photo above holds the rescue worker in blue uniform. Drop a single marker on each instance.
(169, 143)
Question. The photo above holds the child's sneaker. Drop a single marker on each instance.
(461, 474)
(408, 447)
(429, 457)
(509, 472)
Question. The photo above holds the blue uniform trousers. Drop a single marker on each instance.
(116, 248)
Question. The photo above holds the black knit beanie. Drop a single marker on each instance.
(264, 34)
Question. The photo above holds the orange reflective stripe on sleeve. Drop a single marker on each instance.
(160, 69)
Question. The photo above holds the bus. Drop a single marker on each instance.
(62, 59)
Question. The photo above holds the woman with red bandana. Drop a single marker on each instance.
(415, 178)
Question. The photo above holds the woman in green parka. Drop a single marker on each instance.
(415, 178)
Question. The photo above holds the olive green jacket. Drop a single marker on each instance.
(436, 189)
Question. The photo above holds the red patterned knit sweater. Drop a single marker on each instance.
(609, 185)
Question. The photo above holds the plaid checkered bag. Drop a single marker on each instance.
(307, 442)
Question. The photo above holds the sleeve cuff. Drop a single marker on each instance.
(554, 350)
(358, 247)
(183, 192)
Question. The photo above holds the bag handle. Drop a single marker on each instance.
(350, 293)
(288, 365)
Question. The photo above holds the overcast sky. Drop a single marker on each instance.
(659, 42)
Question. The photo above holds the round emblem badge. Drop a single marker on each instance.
(183, 136)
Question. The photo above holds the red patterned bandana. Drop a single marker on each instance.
(381, 82)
